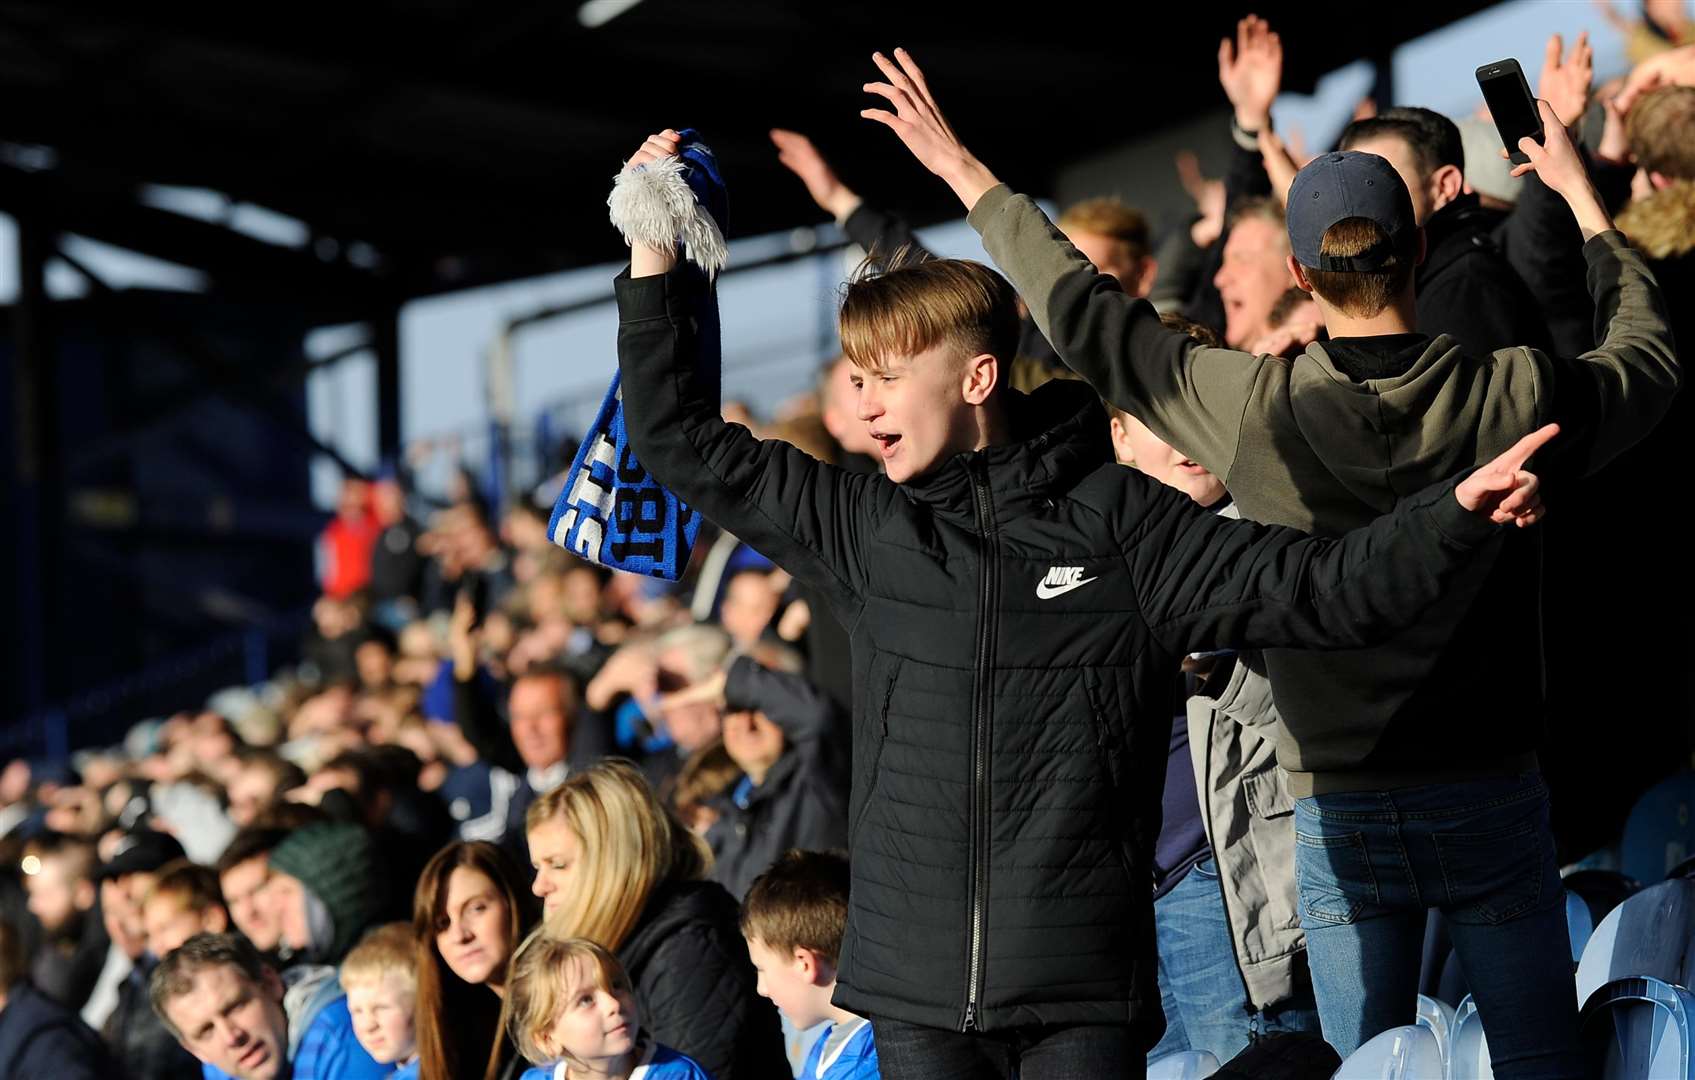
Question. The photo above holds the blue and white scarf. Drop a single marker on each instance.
(612, 511)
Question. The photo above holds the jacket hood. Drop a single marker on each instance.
(1663, 224)
(1059, 436)
(1386, 438)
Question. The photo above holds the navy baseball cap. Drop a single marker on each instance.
(1349, 184)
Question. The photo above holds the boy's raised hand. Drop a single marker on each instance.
(919, 122)
(1556, 161)
(1502, 489)
(646, 261)
(800, 157)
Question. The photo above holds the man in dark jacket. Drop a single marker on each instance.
(39, 1037)
(1466, 286)
(1000, 905)
(63, 894)
(788, 740)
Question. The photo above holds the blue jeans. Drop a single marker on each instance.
(1200, 987)
(1054, 1052)
(1370, 862)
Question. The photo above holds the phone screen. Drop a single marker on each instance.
(1512, 108)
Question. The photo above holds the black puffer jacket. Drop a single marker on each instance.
(696, 986)
(1015, 618)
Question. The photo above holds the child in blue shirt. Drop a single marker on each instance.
(570, 1002)
(380, 976)
(793, 919)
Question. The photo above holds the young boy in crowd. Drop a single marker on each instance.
(1400, 751)
(184, 901)
(569, 1002)
(1008, 748)
(793, 919)
(380, 977)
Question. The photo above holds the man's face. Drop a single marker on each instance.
(1401, 158)
(375, 663)
(283, 901)
(232, 1023)
(841, 411)
(243, 885)
(382, 1019)
(1111, 256)
(1133, 444)
(251, 790)
(541, 708)
(120, 906)
(752, 741)
(1252, 277)
(750, 603)
(169, 922)
(786, 983)
(54, 895)
(916, 411)
(696, 724)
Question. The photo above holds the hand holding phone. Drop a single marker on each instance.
(1510, 105)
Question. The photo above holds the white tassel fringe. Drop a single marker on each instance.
(652, 205)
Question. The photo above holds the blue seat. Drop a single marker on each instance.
(1660, 831)
(1409, 1052)
(1651, 935)
(1184, 1065)
(1638, 1029)
(1468, 1057)
(1580, 924)
(1438, 1016)
(1602, 890)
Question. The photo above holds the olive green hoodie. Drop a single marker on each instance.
(1298, 442)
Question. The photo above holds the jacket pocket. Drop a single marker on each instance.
(880, 693)
(1267, 793)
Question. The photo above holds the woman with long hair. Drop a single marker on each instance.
(469, 913)
(614, 867)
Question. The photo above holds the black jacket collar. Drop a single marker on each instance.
(1059, 436)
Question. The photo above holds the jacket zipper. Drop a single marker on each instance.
(978, 810)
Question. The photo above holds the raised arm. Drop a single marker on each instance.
(878, 231)
(1193, 398)
(1611, 396)
(800, 513)
(1207, 582)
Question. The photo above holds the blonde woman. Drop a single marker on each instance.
(612, 866)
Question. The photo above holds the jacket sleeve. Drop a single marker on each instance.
(1190, 396)
(1208, 582)
(59, 1051)
(1610, 397)
(803, 515)
(483, 727)
(1544, 245)
(696, 999)
(791, 701)
(882, 234)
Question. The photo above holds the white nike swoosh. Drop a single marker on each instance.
(1044, 591)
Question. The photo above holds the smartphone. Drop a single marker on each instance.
(1511, 105)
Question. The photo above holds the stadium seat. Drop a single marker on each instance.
(1651, 935)
(1409, 1052)
(1468, 1057)
(1580, 924)
(1185, 1065)
(1660, 831)
(1438, 1016)
(1638, 1029)
(1602, 890)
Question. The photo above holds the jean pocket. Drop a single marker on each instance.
(1334, 872)
(1496, 875)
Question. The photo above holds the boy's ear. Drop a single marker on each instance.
(817, 970)
(1446, 184)
(1298, 273)
(981, 377)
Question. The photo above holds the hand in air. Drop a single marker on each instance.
(919, 122)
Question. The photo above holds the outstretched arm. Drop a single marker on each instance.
(1209, 582)
(879, 232)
